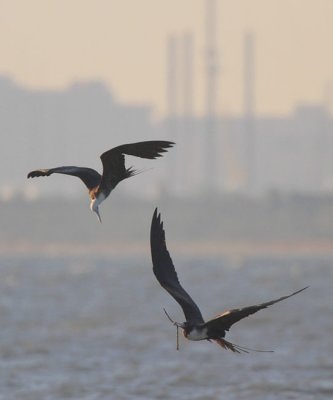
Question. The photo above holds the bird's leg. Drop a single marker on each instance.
(175, 324)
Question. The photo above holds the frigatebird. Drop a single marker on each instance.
(114, 170)
(195, 328)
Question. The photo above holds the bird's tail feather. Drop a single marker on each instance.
(236, 348)
(132, 172)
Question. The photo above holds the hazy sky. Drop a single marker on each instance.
(50, 43)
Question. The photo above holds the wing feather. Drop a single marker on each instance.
(88, 176)
(150, 149)
(224, 321)
(113, 160)
(166, 274)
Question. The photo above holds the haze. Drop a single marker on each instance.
(123, 43)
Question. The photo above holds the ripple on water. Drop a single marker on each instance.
(90, 329)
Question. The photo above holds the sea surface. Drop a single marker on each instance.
(93, 328)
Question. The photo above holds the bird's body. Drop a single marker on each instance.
(195, 328)
(114, 170)
(196, 333)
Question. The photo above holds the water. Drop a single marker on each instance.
(93, 328)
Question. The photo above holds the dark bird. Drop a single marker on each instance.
(114, 170)
(195, 328)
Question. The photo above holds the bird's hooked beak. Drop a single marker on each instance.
(98, 215)
(95, 209)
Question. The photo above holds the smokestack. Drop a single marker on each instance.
(249, 111)
(211, 60)
(172, 77)
(188, 74)
(249, 76)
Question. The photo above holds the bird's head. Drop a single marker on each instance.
(94, 207)
(186, 327)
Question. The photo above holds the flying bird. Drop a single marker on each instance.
(114, 170)
(195, 328)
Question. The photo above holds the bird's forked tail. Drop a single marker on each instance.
(236, 348)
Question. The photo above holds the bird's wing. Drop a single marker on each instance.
(113, 160)
(88, 176)
(224, 321)
(114, 169)
(165, 272)
(150, 149)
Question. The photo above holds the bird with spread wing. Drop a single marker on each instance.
(114, 170)
(195, 327)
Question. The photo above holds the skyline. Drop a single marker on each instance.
(73, 127)
(293, 63)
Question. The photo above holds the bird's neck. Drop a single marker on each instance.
(195, 333)
(97, 193)
(96, 200)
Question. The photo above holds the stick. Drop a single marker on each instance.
(169, 318)
(177, 347)
(174, 323)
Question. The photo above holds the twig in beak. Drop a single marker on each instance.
(175, 324)
(169, 318)
(177, 347)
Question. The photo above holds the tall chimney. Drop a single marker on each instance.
(249, 112)
(172, 77)
(188, 74)
(211, 61)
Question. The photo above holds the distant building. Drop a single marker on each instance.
(48, 128)
(293, 153)
(74, 126)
